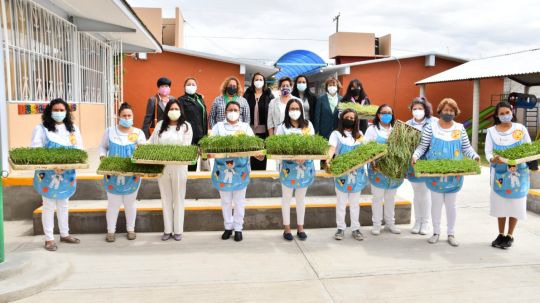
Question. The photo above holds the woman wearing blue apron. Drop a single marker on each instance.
(56, 186)
(295, 175)
(121, 141)
(421, 111)
(348, 187)
(383, 187)
(445, 139)
(509, 184)
(230, 176)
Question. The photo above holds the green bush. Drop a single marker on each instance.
(401, 145)
(344, 162)
(446, 166)
(158, 152)
(361, 110)
(296, 144)
(231, 144)
(124, 165)
(44, 156)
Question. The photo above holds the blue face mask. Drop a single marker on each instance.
(506, 118)
(58, 116)
(127, 123)
(386, 118)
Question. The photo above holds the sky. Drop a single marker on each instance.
(265, 30)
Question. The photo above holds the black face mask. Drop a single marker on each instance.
(356, 92)
(232, 90)
(348, 123)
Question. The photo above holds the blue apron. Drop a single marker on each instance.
(230, 174)
(410, 173)
(51, 185)
(378, 179)
(354, 181)
(442, 149)
(121, 185)
(511, 182)
(294, 175)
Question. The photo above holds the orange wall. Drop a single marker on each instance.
(140, 78)
(379, 81)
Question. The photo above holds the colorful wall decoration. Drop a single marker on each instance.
(33, 109)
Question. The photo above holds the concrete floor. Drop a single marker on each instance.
(265, 268)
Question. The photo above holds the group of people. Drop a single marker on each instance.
(256, 112)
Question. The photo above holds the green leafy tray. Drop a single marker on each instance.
(363, 111)
(296, 147)
(117, 166)
(401, 145)
(36, 158)
(520, 154)
(166, 154)
(358, 157)
(444, 168)
(231, 146)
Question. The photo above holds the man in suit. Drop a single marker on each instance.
(162, 98)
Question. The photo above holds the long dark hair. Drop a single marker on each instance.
(252, 86)
(302, 122)
(167, 120)
(307, 93)
(49, 122)
(377, 121)
(341, 129)
(354, 84)
(502, 104)
(425, 104)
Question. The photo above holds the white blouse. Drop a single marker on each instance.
(172, 136)
(61, 136)
(115, 135)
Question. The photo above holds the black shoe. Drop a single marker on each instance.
(508, 241)
(497, 242)
(226, 234)
(301, 235)
(237, 236)
(287, 236)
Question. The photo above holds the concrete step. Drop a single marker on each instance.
(533, 201)
(205, 214)
(25, 274)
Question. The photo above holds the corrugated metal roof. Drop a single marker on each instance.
(523, 67)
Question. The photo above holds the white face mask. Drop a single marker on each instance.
(258, 83)
(233, 116)
(191, 89)
(294, 114)
(332, 89)
(418, 114)
(301, 87)
(174, 114)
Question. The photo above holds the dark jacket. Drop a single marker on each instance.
(150, 113)
(324, 120)
(196, 115)
(363, 123)
(264, 100)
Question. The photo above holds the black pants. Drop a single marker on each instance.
(257, 164)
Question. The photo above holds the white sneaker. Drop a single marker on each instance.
(416, 227)
(376, 230)
(434, 239)
(452, 241)
(424, 229)
(393, 229)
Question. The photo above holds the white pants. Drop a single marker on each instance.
(300, 197)
(172, 186)
(389, 196)
(354, 209)
(449, 201)
(422, 202)
(113, 208)
(235, 222)
(47, 217)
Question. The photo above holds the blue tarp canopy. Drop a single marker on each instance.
(298, 62)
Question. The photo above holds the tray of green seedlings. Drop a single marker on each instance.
(166, 154)
(118, 166)
(34, 158)
(231, 146)
(445, 168)
(363, 111)
(402, 142)
(358, 157)
(520, 154)
(296, 147)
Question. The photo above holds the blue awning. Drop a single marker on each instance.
(298, 62)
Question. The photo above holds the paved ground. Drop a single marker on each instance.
(264, 268)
